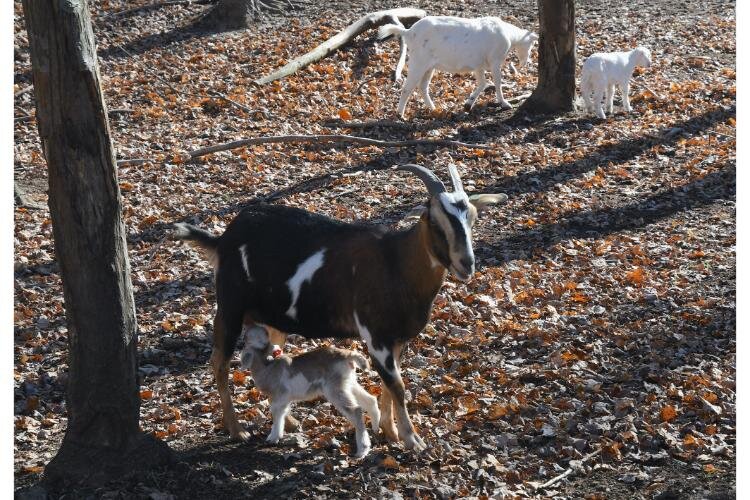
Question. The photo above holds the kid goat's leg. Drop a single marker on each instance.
(610, 98)
(220, 356)
(625, 90)
(598, 96)
(346, 404)
(279, 411)
(368, 402)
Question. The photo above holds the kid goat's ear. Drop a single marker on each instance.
(482, 201)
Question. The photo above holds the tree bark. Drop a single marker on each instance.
(555, 90)
(238, 14)
(103, 437)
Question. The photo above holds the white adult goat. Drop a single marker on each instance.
(602, 71)
(458, 45)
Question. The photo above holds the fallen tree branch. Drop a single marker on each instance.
(342, 38)
(570, 470)
(322, 139)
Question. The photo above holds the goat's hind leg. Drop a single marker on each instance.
(345, 402)
(481, 85)
(223, 347)
(412, 81)
(424, 85)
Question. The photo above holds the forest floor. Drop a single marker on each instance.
(600, 324)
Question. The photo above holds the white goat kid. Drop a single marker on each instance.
(602, 71)
(458, 45)
(326, 371)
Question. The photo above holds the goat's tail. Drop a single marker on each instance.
(199, 237)
(390, 29)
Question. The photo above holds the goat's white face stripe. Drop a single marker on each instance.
(245, 264)
(448, 201)
(379, 354)
(304, 273)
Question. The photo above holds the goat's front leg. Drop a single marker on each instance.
(279, 411)
(481, 85)
(386, 414)
(625, 90)
(497, 77)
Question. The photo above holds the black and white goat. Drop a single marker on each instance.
(294, 271)
(327, 372)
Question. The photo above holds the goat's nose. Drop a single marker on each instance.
(467, 263)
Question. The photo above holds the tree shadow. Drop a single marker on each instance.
(718, 185)
(607, 154)
(162, 39)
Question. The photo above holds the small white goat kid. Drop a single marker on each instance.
(326, 371)
(458, 45)
(602, 71)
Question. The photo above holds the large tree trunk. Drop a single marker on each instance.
(556, 87)
(102, 438)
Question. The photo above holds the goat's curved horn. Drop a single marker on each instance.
(455, 179)
(434, 185)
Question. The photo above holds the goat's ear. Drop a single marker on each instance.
(482, 201)
(415, 213)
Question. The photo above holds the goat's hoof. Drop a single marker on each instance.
(272, 439)
(505, 105)
(362, 453)
(468, 106)
(390, 434)
(414, 443)
(240, 435)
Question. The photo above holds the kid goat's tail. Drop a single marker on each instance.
(359, 360)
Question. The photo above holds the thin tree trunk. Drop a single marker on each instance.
(103, 437)
(555, 90)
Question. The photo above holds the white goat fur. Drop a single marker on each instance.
(458, 45)
(327, 371)
(602, 71)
